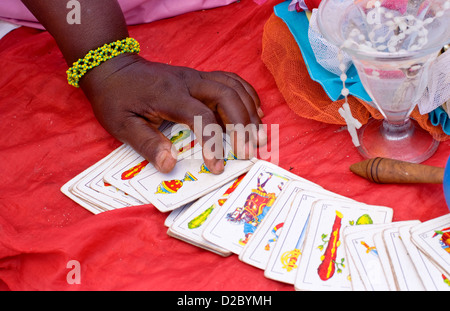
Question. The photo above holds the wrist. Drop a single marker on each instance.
(92, 81)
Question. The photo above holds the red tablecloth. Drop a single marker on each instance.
(49, 135)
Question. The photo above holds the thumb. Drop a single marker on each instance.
(150, 143)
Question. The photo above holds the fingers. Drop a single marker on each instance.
(231, 85)
(202, 120)
(150, 143)
(262, 135)
(250, 90)
(238, 106)
(204, 125)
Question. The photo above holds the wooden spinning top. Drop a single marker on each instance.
(386, 171)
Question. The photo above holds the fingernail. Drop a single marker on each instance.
(260, 112)
(165, 161)
(218, 167)
(174, 152)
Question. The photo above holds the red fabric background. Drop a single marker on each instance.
(49, 135)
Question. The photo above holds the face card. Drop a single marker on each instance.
(283, 261)
(323, 264)
(433, 238)
(404, 272)
(241, 215)
(257, 251)
(432, 278)
(189, 226)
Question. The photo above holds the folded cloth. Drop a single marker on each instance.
(298, 25)
(135, 11)
(439, 117)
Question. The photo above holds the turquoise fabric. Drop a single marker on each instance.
(440, 117)
(298, 24)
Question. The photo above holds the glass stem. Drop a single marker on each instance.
(397, 130)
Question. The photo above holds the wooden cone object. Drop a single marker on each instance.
(388, 171)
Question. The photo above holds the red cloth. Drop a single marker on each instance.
(49, 135)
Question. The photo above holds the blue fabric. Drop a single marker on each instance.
(298, 25)
(440, 117)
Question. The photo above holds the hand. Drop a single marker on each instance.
(131, 97)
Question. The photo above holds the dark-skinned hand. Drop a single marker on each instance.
(131, 97)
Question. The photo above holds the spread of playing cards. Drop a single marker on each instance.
(294, 230)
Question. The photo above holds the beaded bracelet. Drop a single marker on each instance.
(98, 56)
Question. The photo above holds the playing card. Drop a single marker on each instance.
(360, 245)
(120, 175)
(67, 190)
(257, 251)
(355, 278)
(433, 238)
(188, 181)
(79, 190)
(282, 263)
(96, 190)
(96, 182)
(175, 214)
(383, 256)
(189, 225)
(323, 265)
(370, 255)
(432, 278)
(237, 220)
(404, 273)
(134, 164)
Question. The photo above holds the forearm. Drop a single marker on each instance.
(101, 21)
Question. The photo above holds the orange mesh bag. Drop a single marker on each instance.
(307, 98)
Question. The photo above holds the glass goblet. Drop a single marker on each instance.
(392, 45)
